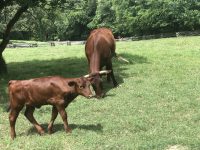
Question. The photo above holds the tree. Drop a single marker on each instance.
(125, 13)
(105, 15)
(5, 40)
(23, 5)
(78, 18)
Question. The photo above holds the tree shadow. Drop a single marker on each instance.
(67, 67)
(60, 127)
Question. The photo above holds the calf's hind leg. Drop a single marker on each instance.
(14, 112)
(29, 115)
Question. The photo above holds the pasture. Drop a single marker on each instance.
(156, 106)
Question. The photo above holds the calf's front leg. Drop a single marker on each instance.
(63, 114)
(54, 115)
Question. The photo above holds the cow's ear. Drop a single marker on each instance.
(71, 83)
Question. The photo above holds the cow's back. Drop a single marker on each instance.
(100, 41)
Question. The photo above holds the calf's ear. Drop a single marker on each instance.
(71, 83)
(91, 79)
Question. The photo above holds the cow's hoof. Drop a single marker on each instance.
(115, 85)
(100, 96)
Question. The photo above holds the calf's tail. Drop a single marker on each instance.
(10, 96)
(8, 108)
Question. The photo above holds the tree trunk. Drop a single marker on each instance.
(3, 68)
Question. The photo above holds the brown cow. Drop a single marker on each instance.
(99, 49)
(55, 90)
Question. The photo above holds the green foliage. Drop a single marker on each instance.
(152, 16)
(105, 15)
(125, 13)
(67, 22)
(78, 18)
(73, 20)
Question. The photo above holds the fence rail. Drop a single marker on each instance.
(161, 35)
(133, 38)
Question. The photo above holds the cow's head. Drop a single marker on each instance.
(96, 81)
(82, 86)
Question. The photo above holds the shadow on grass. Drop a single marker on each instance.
(67, 67)
(60, 127)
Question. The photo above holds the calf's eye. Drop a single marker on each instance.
(81, 87)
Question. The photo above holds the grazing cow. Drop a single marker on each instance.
(99, 49)
(55, 90)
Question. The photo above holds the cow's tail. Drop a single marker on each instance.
(120, 58)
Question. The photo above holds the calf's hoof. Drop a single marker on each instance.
(69, 130)
(50, 131)
(13, 137)
(41, 132)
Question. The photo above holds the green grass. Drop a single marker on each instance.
(156, 106)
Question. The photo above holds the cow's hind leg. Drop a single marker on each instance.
(111, 75)
(14, 112)
(29, 115)
(53, 117)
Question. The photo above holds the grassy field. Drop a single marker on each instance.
(156, 106)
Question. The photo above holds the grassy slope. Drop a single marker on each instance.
(156, 105)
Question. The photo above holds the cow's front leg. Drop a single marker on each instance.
(111, 75)
(63, 114)
(98, 87)
(99, 92)
(29, 115)
(53, 117)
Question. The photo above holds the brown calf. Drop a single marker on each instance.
(56, 91)
(99, 49)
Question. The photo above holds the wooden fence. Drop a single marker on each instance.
(161, 35)
(133, 38)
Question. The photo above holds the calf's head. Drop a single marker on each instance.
(82, 86)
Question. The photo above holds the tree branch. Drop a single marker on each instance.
(4, 3)
(10, 25)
